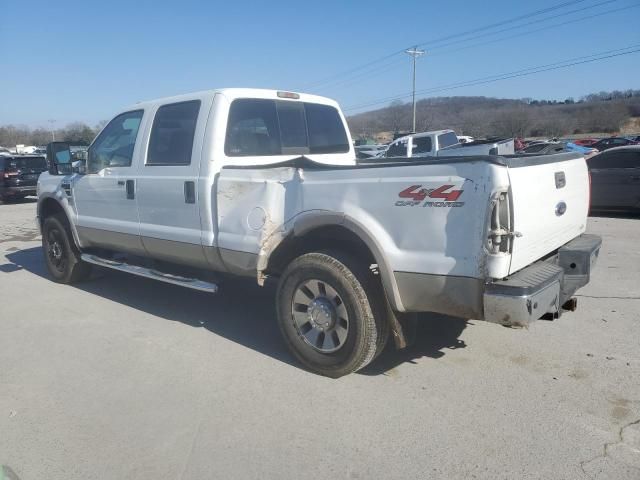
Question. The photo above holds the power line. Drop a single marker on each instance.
(510, 20)
(514, 27)
(475, 30)
(508, 75)
(374, 72)
(528, 32)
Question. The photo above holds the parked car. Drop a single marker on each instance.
(634, 138)
(615, 178)
(607, 143)
(587, 152)
(264, 184)
(585, 142)
(19, 175)
(544, 148)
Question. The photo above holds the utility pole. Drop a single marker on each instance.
(53, 131)
(415, 53)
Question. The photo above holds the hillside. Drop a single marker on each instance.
(607, 112)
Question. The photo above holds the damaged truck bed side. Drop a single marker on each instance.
(264, 184)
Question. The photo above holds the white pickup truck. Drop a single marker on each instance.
(264, 184)
(445, 143)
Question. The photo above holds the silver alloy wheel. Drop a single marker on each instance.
(320, 316)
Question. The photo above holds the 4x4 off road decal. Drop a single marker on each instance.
(416, 195)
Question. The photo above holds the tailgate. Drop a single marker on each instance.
(550, 203)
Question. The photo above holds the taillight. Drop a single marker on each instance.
(10, 174)
(500, 233)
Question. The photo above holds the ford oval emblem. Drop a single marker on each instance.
(561, 208)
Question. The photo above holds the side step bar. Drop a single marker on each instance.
(194, 283)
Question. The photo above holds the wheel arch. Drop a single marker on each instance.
(50, 205)
(328, 230)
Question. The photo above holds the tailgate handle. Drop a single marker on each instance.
(561, 180)
(189, 192)
(131, 189)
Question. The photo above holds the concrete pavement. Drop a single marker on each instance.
(123, 377)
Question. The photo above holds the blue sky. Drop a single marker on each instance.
(84, 60)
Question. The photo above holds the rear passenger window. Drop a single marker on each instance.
(174, 127)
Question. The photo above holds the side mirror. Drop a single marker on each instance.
(59, 158)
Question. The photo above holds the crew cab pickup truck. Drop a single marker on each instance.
(445, 143)
(264, 184)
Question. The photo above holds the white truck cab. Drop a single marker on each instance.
(445, 143)
(265, 184)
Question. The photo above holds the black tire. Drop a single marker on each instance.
(60, 252)
(359, 294)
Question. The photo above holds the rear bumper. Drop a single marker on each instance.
(544, 286)
(17, 190)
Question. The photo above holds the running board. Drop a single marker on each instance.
(193, 283)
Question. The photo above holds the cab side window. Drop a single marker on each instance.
(624, 159)
(421, 145)
(398, 149)
(114, 146)
(174, 127)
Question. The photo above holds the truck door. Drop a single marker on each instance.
(167, 194)
(104, 197)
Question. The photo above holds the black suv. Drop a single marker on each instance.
(607, 143)
(19, 175)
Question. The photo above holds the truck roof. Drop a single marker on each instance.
(425, 134)
(232, 94)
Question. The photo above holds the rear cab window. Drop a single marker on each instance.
(265, 127)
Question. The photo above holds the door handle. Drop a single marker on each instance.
(131, 189)
(189, 192)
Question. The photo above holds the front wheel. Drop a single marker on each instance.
(60, 253)
(330, 313)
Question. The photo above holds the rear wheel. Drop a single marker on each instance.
(60, 253)
(329, 312)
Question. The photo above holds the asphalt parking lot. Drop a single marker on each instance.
(126, 378)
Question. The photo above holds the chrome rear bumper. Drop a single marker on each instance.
(542, 287)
